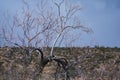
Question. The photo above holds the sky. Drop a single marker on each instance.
(103, 16)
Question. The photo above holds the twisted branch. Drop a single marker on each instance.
(62, 63)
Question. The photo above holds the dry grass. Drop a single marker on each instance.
(87, 64)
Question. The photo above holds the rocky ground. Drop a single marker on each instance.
(97, 63)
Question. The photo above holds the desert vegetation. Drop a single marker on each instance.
(37, 45)
(84, 64)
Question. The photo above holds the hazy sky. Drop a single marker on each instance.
(103, 16)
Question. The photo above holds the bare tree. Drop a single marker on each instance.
(46, 24)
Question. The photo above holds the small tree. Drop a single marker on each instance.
(45, 24)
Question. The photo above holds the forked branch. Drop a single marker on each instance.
(62, 62)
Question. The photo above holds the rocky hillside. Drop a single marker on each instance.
(85, 64)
